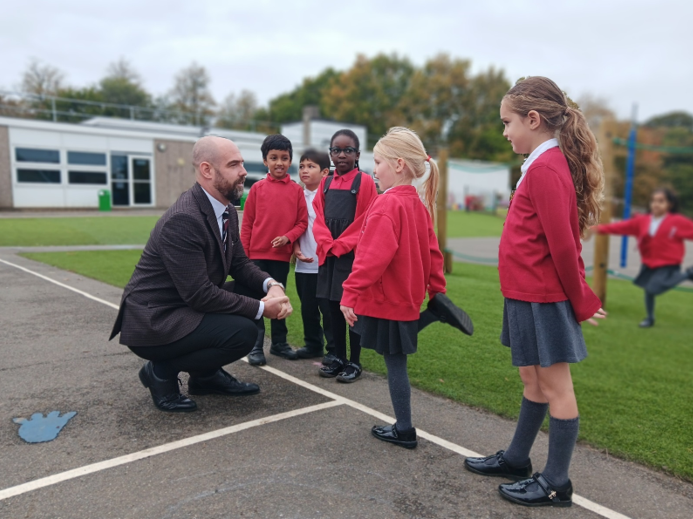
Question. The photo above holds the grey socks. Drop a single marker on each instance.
(531, 417)
(562, 437)
(400, 390)
(650, 305)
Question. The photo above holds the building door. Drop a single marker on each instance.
(120, 180)
(141, 180)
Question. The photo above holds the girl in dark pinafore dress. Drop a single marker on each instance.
(340, 206)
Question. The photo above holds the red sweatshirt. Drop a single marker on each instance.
(666, 247)
(348, 239)
(539, 257)
(398, 259)
(273, 208)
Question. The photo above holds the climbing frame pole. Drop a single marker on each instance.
(442, 202)
(605, 138)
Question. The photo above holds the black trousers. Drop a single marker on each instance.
(339, 332)
(312, 307)
(279, 271)
(218, 340)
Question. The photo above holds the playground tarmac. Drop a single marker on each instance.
(301, 448)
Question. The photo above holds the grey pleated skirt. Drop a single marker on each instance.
(659, 280)
(542, 333)
(385, 336)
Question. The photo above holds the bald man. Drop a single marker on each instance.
(178, 312)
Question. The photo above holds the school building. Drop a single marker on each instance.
(141, 164)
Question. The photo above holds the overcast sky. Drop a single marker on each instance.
(622, 50)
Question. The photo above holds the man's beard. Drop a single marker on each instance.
(231, 191)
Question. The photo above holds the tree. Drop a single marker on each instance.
(595, 109)
(122, 85)
(41, 79)
(289, 107)
(191, 95)
(238, 112)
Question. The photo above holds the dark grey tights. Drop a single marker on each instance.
(650, 305)
(400, 390)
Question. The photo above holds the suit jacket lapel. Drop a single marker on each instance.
(208, 211)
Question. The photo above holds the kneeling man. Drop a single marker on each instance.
(178, 312)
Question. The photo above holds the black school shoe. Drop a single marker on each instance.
(328, 359)
(283, 350)
(333, 369)
(351, 372)
(165, 393)
(308, 353)
(496, 466)
(537, 491)
(447, 312)
(390, 434)
(646, 323)
(257, 357)
(221, 383)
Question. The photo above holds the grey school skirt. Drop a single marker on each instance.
(385, 336)
(542, 333)
(659, 280)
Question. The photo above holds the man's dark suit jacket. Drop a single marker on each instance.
(182, 273)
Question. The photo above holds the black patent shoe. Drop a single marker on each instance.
(221, 383)
(333, 369)
(165, 393)
(283, 350)
(390, 434)
(351, 372)
(308, 353)
(496, 466)
(328, 359)
(447, 312)
(646, 323)
(257, 357)
(537, 491)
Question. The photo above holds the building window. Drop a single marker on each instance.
(86, 177)
(88, 159)
(37, 155)
(39, 176)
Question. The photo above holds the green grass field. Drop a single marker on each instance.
(134, 230)
(634, 389)
(101, 230)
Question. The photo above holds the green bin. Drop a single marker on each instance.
(244, 197)
(104, 200)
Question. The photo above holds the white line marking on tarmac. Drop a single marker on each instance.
(76, 290)
(147, 453)
(337, 400)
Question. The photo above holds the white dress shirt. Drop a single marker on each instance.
(307, 241)
(219, 210)
(544, 146)
(655, 223)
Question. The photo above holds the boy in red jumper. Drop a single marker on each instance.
(274, 217)
(661, 236)
(542, 278)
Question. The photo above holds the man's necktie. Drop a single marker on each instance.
(225, 228)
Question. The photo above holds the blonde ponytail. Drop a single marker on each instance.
(403, 143)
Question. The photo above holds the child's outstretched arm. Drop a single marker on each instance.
(350, 237)
(377, 247)
(248, 219)
(549, 194)
(629, 227)
(684, 229)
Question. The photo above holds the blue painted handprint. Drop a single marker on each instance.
(41, 428)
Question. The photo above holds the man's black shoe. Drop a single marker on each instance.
(537, 491)
(165, 393)
(283, 350)
(333, 369)
(447, 312)
(309, 353)
(257, 357)
(496, 466)
(221, 383)
(390, 434)
(328, 359)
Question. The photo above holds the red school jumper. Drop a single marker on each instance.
(663, 249)
(397, 261)
(273, 208)
(539, 256)
(347, 241)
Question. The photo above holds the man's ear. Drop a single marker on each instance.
(534, 119)
(206, 170)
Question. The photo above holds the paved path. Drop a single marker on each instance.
(301, 448)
